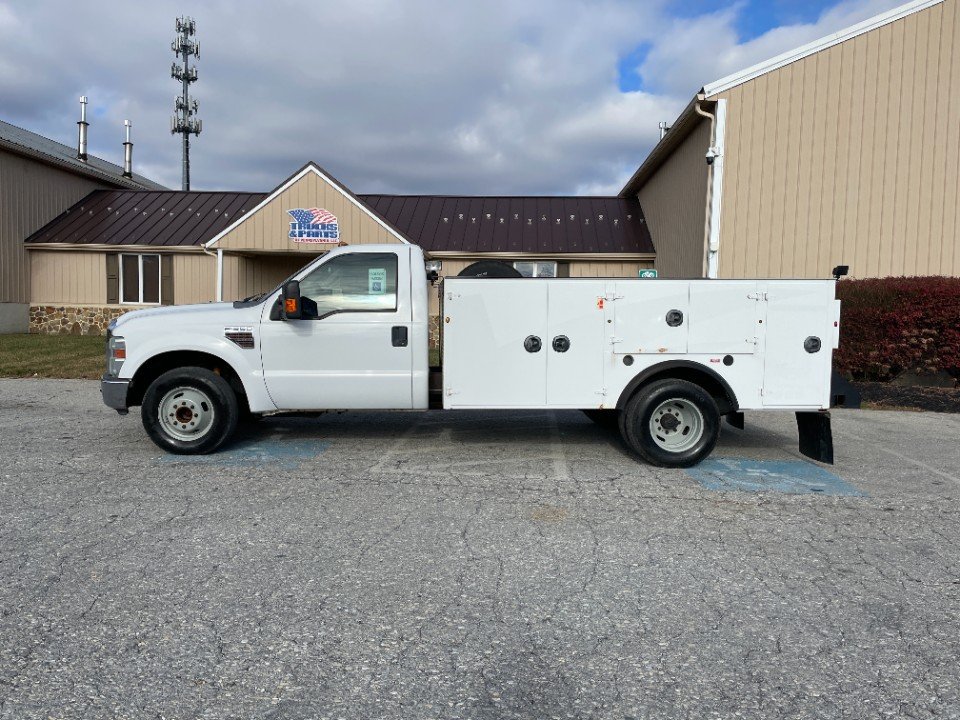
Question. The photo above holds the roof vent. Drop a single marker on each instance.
(82, 125)
(127, 150)
(664, 129)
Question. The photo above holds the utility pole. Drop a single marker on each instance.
(184, 123)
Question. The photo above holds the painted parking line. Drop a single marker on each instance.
(794, 477)
(285, 453)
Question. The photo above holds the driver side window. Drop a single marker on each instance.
(356, 282)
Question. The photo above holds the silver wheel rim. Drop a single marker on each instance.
(676, 425)
(186, 413)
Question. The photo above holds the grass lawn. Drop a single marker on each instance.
(52, 356)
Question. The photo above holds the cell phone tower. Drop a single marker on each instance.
(184, 123)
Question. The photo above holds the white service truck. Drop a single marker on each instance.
(661, 359)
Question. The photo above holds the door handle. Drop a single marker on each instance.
(561, 343)
(532, 344)
(398, 336)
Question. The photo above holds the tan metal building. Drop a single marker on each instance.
(39, 179)
(844, 151)
(118, 250)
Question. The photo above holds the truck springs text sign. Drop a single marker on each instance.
(314, 225)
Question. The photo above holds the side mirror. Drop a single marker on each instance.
(291, 307)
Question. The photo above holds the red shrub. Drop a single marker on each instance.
(895, 324)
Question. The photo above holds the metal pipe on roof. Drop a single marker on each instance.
(127, 151)
(82, 128)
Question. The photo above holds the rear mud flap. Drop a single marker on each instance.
(816, 437)
(735, 419)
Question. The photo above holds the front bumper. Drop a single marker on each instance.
(114, 391)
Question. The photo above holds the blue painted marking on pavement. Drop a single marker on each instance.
(794, 477)
(287, 454)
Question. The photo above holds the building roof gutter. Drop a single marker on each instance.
(104, 247)
(678, 132)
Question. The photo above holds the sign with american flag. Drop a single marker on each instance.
(314, 225)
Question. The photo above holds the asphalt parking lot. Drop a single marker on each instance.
(438, 565)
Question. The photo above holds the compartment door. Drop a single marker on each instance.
(575, 343)
(485, 361)
(642, 309)
(724, 317)
(793, 377)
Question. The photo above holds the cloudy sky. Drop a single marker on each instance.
(402, 96)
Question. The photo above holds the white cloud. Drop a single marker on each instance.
(389, 95)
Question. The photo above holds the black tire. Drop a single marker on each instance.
(490, 269)
(195, 396)
(607, 419)
(694, 410)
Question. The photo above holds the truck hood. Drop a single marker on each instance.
(212, 312)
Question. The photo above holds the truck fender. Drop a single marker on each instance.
(684, 370)
(251, 378)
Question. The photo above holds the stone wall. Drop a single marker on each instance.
(73, 320)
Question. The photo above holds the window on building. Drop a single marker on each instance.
(358, 282)
(140, 279)
(536, 269)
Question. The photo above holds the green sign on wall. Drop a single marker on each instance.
(648, 273)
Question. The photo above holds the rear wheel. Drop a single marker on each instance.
(671, 423)
(190, 411)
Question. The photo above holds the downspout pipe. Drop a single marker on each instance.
(708, 208)
(219, 274)
(219, 256)
(714, 158)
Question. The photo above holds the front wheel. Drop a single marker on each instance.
(671, 423)
(190, 411)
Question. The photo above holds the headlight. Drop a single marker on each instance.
(116, 354)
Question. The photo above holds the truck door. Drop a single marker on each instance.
(798, 310)
(575, 343)
(495, 343)
(353, 351)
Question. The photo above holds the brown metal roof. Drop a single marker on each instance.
(125, 217)
(518, 224)
(436, 223)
